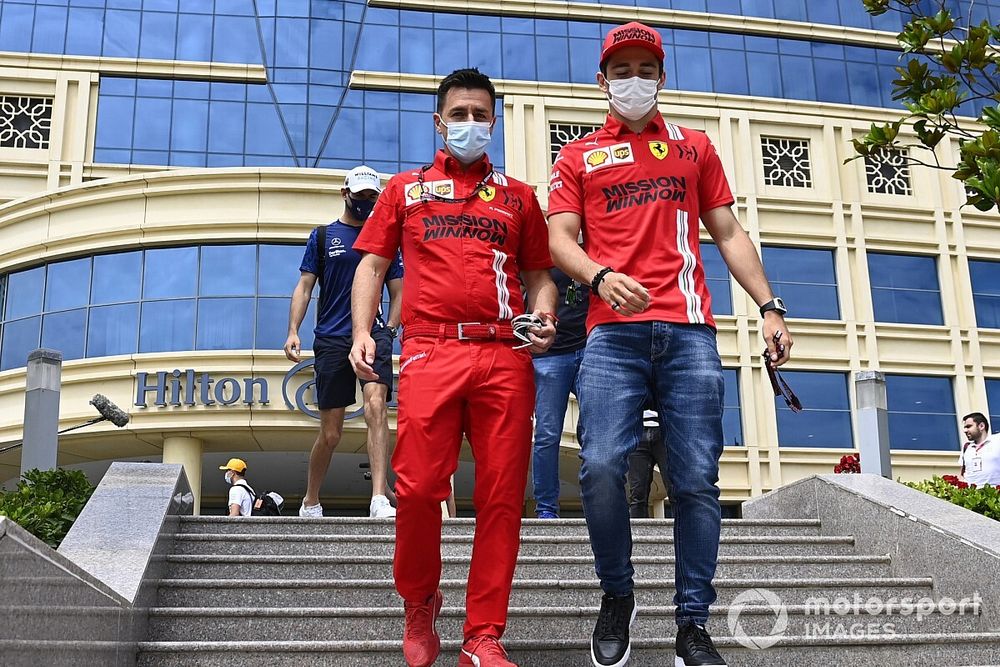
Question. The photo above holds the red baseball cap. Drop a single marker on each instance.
(632, 34)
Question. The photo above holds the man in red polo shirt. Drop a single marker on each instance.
(469, 236)
(638, 187)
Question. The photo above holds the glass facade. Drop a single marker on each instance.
(905, 288)
(732, 421)
(213, 297)
(717, 279)
(921, 413)
(993, 399)
(805, 278)
(986, 292)
(825, 420)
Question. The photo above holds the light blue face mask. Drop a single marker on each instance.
(467, 141)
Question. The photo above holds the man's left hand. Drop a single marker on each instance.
(781, 351)
(542, 337)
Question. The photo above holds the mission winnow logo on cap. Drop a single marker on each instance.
(632, 34)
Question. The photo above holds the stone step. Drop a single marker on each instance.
(461, 545)
(216, 566)
(378, 623)
(362, 526)
(912, 650)
(526, 592)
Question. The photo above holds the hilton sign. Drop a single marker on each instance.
(189, 387)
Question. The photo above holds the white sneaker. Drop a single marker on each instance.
(380, 508)
(312, 511)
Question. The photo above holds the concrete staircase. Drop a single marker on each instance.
(290, 591)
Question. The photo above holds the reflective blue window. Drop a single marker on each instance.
(986, 292)
(24, 293)
(68, 284)
(279, 270)
(225, 324)
(167, 326)
(805, 278)
(117, 278)
(993, 399)
(228, 270)
(921, 413)
(732, 423)
(65, 332)
(20, 337)
(904, 288)
(825, 420)
(113, 330)
(170, 272)
(717, 279)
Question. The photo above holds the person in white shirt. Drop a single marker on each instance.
(980, 458)
(240, 501)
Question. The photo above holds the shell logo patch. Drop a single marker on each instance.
(414, 193)
(487, 193)
(608, 156)
(659, 149)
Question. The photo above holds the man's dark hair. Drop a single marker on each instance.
(471, 79)
(977, 418)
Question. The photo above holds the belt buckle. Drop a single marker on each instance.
(461, 330)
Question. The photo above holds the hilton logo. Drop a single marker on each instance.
(189, 387)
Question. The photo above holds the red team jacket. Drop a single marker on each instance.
(462, 259)
(640, 197)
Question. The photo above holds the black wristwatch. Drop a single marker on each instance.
(393, 331)
(775, 304)
(596, 282)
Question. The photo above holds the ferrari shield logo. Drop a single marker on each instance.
(659, 149)
(487, 193)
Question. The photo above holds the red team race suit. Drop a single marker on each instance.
(463, 259)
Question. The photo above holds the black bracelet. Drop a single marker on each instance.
(596, 282)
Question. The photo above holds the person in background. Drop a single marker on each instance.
(240, 499)
(980, 459)
(651, 450)
(555, 378)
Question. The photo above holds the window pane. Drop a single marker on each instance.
(170, 272)
(116, 277)
(68, 284)
(805, 278)
(732, 426)
(986, 292)
(907, 306)
(809, 301)
(113, 330)
(272, 324)
(228, 270)
(921, 413)
(24, 293)
(167, 326)
(65, 332)
(717, 279)
(825, 420)
(993, 399)
(279, 269)
(225, 324)
(19, 339)
(906, 271)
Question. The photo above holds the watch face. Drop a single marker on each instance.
(780, 305)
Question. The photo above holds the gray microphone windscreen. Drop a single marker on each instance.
(109, 410)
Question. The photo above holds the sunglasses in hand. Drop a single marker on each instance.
(778, 383)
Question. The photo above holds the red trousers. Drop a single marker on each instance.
(484, 390)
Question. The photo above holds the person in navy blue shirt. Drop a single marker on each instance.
(335, 377)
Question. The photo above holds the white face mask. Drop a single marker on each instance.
(229, 477)
(467, 141)
(633, 98)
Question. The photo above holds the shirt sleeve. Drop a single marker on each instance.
(383, 230)
(395, 271)
(713, 189)
(533, 253)
(235, 496)
(310, 259)
(565, 185)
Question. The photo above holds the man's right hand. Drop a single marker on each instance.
(293, 348)
(363, 356)
(631, 297)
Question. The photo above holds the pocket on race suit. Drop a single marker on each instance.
(416, 351)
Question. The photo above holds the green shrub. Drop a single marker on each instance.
(983, 500)
(47, 502)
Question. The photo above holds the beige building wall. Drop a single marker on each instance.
(60, 204)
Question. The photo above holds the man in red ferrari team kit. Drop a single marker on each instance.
(469, 236)
(638, 187)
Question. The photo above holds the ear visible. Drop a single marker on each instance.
(602, 82)
(438, 122)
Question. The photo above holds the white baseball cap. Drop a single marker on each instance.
(362, 178)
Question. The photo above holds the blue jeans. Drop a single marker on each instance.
(679, 365)
(555, 378)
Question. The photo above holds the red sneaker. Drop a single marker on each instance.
(421, 643)
(484, 651)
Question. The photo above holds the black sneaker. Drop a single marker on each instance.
(695, 647)
(610, 646)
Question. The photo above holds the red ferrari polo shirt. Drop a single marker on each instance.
(640, 197)
(462, 258)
